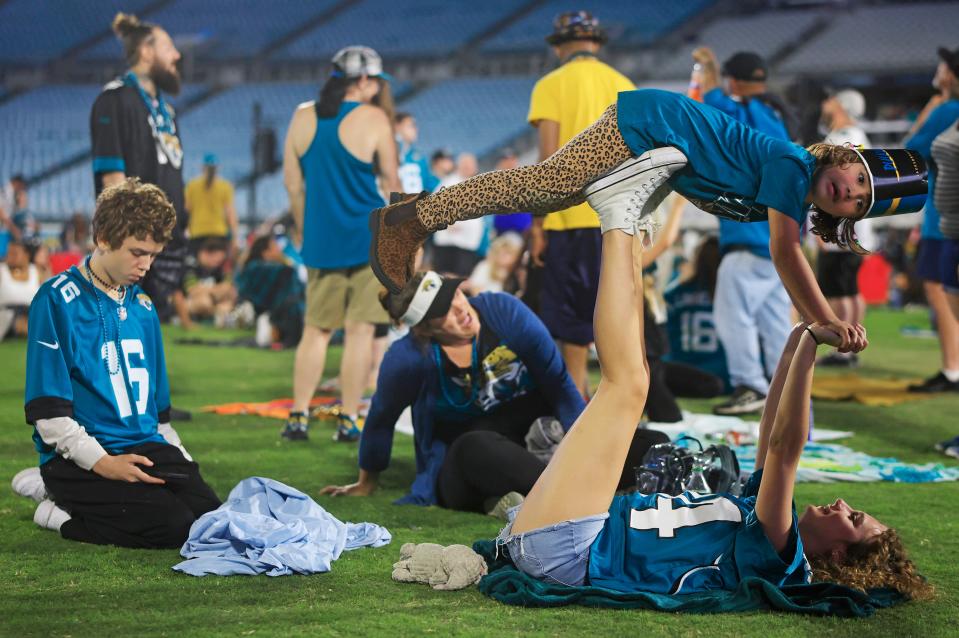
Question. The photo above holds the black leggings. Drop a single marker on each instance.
(142, 515)
(480, 465)
(484, 464)
(668, 380)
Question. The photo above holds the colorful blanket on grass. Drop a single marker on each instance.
(822, 462)
(830, 462)
(320, 407)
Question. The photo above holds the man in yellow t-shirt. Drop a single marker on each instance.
(209, 204)
(568, 242)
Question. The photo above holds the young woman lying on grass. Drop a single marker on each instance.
(573, 529)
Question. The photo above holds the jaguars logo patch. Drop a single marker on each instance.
(145, 301)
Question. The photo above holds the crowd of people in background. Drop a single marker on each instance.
(550, 262)
(492, 331)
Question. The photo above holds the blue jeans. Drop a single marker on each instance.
(751, 310)
(557, 553)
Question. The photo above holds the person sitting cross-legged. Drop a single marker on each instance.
(97, 392)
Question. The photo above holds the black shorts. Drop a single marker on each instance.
(837, 273)
(929, 260)
(949, 265)
(570, 283)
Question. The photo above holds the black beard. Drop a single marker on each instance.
(166, 81)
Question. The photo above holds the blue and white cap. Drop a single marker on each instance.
(356, 61)
(898, 179)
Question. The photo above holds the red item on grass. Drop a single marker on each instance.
(873, 279)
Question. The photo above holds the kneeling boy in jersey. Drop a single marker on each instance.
(97, 391)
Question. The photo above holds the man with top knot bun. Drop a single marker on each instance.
(134, 134)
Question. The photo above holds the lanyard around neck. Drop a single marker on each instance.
(159, 112)
(474, 377)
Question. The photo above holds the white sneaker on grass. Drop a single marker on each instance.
(29, 483)
(626, 197)
(49, 516)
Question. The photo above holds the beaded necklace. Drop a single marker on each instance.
(120, 290)
(112, 363)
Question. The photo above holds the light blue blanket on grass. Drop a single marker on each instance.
(266, 527)
(829, 462)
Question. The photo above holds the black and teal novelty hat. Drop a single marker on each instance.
(898, 179)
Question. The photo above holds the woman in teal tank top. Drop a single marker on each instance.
(335, 151)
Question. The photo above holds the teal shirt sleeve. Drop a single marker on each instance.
(755, 556)
(717, 98)
(938, 121)
(784, 185)
(48, 390)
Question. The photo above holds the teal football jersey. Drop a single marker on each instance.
(690, 542)
(115, 386)
(692, 330)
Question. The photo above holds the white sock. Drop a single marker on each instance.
(49, 516)
(952, 375)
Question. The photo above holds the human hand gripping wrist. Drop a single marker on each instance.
(125, 467)
(852, 336)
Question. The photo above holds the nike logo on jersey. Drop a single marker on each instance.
(52, 346)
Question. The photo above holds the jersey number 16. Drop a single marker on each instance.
(139, 376)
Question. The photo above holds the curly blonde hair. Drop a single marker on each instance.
(133, 209)
(879, 562)
(837, 230)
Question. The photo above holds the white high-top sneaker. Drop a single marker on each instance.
(626, 197)
(29, 483)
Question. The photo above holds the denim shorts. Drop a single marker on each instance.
(557, 553)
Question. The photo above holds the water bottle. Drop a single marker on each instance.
(695, 90)
(697, 478)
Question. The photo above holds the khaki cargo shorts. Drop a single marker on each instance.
(335, 296)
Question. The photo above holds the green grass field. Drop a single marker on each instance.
(53, 587)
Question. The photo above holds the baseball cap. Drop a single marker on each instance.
(746, 66)
(898, 180)
(441, 153)
(433, 298)
(951, 58)
(852, 102)
(576, 25)
(210, 159)
(356, 61)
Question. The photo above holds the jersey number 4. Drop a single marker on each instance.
(667, 519)
(139, 376)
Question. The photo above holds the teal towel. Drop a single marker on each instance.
(508, 585)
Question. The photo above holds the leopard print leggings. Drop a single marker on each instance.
(554, 184)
